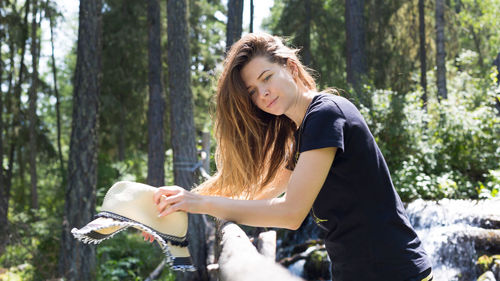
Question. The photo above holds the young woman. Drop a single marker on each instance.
(276, 134)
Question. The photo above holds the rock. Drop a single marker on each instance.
(317, 266)
(487, 276)
(496, 268)
(484, 262)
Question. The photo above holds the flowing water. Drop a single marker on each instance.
(445, 227)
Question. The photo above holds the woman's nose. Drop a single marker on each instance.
(263, 92)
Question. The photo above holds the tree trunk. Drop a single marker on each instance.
(3, 218)
(120, 133)
(58, 104)
(5, 182)
(477, 44)
(32, 107)
(156, 109)
(234, 22)
(423, 63)
(77, 260)
(5, 174)
(21, 164)
(306, 50)
(355, 43)
(182, 130)
(251, 16)
(440, 51)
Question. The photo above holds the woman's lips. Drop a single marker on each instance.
(272, 102)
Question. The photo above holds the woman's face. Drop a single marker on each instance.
(271, 86)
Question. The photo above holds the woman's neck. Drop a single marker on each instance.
(299, 107)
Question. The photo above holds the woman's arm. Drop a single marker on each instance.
(286, 212)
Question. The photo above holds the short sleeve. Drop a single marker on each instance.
(323, 127)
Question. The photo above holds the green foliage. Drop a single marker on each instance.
(477, 24)
(128, 257)
(33, 250)
(327, 35)
(451, 150)
(124, 91)
(207, 51)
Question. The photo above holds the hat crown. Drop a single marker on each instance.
(135, 201)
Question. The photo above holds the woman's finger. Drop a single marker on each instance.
(168, 201)
(147, 236)
(173, 208)
(163, 203)
(165, 190)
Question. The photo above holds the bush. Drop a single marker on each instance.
(128, 257)
(449, 150)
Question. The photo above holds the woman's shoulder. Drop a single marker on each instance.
(324, 103)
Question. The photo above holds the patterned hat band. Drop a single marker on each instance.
(130, 204)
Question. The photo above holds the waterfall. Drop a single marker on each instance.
(448, 230)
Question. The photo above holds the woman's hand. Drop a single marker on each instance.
(169, 199)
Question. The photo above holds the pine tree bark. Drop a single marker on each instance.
(234, 22)
(6, 181)
(77, 260)
(423, 53)
(251, 16)
(6, 173)
(355, 43)
(156, 109)
(120, 134)
(306, 50)
(56, 93)
(182, 130)
(3, 219)
(440, 51)
(32, 107)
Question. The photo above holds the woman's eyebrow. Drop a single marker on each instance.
(260, 75)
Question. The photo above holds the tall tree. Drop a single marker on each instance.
(3, 219)
(124, 79)
(326, 34)
(440, 51)
(182, 131)
(32, 106)
(355, 39)
(234, 22)
(51, 16)
(422, 52)
(306, 49)
(77, 260)
(156, 110)
(206, 44)
(250, 28)
(5, 183)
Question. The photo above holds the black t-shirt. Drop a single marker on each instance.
(369, 236)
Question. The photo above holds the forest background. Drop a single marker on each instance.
(424, 73)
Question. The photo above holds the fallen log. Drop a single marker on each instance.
(266, 244)
(240, 261)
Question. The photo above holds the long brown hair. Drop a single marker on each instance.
(252, 145)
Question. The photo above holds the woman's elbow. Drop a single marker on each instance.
(294, 221)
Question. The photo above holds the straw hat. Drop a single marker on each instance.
(130, 204)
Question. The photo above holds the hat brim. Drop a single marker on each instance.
(107, 224)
